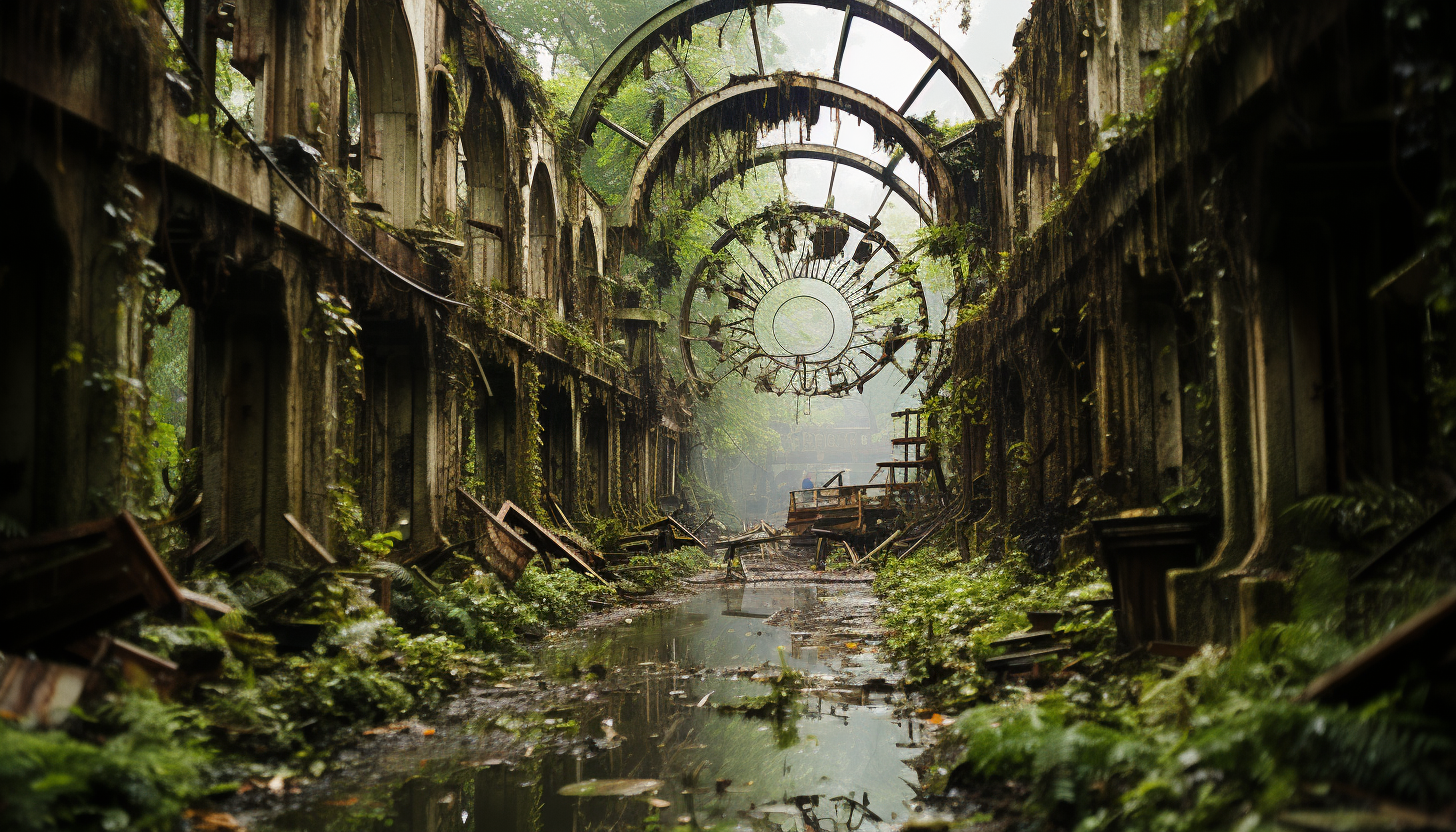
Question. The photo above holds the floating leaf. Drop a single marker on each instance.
(609, 788)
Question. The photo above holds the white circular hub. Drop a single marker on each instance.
(803, 318)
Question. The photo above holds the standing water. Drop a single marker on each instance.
(681, 730)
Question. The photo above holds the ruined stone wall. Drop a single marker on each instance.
(1197, 295)
(316, 383)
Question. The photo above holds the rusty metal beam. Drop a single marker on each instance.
(759, 94)
(821, 152)
(919, 86)
(843, 40)
(623, 132)
(677, 21)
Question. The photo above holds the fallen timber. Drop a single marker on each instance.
(513, 517)
(501, 549)
(62, 585)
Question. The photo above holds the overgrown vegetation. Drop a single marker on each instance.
(1097, 739)
(273, 707)
(1221, 742)
(943, 614)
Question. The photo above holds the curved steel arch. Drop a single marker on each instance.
(676, 23)
(826, 153)
(768, 99)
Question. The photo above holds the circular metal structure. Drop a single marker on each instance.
(756, 101)
(675, 23)
(804, 300)
(772, 154)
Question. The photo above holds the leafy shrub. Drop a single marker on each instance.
(943, 614)
(560, 597)
(655, 571)
(1218, 742)
(146, 767)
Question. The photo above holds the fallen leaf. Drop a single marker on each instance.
(348, 801)
(428, 732)
(936, 719)
(205, 821)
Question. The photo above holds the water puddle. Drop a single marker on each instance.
(834, 760)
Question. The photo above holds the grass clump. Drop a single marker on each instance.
(652, 572)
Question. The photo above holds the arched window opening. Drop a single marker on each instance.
(567, 288)
(351, 151)
(589, 278)
(542, 259)
(445, 153)
(484, 205)
(376, 43)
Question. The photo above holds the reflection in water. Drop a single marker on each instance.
(834, 762)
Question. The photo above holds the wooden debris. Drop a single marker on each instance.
(309, 542)
(1173, 650)
(1025, 659)
(208, 604)
(40, 693)
(232, 560)
(1427, 637)
(502, 549)
(513, 516)
(137, 666)
(680, 532)
(58, 586)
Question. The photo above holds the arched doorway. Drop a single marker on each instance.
(483, 140)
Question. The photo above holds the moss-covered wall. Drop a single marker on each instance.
(315, 383)
(1185, 219)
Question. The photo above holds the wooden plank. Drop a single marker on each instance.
(309, 542)
(38, 692)
(503, 543)
(514, 516)
(1428, 634)
(63, 584)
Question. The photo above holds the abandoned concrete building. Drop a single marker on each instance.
(1193, 260)
(471, 325)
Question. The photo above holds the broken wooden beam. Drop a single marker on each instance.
(309, 543)
(894, 536)
(502, 549)
(58, 586)
(233, 560)
(1425, 638)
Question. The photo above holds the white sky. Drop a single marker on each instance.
(884, 65)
